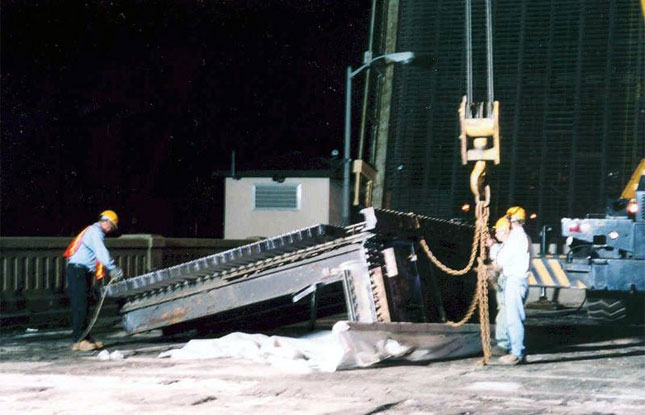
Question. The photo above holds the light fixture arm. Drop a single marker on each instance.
(398, 57)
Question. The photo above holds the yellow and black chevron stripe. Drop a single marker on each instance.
(547, 272)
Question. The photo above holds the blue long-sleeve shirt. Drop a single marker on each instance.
(93, 249)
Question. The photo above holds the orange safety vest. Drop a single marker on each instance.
(73, 247)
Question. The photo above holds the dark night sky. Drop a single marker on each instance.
(132, 105)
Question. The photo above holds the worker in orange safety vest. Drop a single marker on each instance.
(87, 256)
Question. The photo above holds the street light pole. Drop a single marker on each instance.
(347, 145)
(401, 57)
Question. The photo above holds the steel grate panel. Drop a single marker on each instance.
(224, 262)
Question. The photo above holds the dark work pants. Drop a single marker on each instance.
(79, 281)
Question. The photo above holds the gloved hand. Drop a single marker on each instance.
(116, 274)
(492, 275)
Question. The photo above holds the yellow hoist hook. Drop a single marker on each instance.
(480, 190)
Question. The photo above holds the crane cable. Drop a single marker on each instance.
(479, 190)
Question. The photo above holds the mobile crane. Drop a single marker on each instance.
(606, 256)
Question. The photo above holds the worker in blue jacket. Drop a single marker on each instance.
(87, 256)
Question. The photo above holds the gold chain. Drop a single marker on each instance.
(439, 264)
(480, 297)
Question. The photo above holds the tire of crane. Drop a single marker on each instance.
(616, 307)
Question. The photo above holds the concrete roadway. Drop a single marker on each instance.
(575, 366)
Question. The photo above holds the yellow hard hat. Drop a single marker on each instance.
(502, 224)
(111, 216)
(516, 213)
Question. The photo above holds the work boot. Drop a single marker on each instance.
(84, 346)
(510, 360)
(498, 351)
(98, 344)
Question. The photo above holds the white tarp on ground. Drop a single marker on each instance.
(325, 351)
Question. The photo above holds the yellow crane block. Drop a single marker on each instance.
(479, 130)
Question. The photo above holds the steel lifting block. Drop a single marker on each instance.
(479, 130)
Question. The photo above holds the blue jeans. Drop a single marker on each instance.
(515, 292)
(501, 338)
